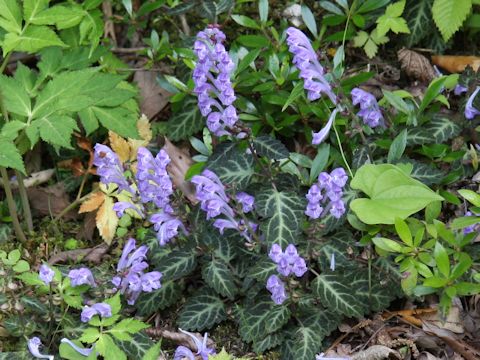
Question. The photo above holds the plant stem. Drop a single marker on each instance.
(70, 207)
(27, 212)
(5, 62)
(341, 151)
(12, 207)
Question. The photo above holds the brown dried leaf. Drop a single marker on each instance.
(377, 352)
(93, 255)
(153, 97)
(107, 220)
(50, 201)
(93, 202)
(416, 66)
(145, 131)
(453, 322)
(120, 146)
(456, 63)
(74, 164)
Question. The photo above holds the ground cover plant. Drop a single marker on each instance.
(223, 180)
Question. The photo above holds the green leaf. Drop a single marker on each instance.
(471, 196)
(283, 213)
(31, 40)
(62, 17)
(297, 91)
(125, 327)
(306, 342)
(14, 96)
(168, 294)
(89, 120)
(441, 258)
(434, 89)
(32, 7)
(403, 231)
(89, 335)
(268, 342)
(21, 266)
(137, 347)
(464, 262)
(254, 41)
(449, 15)
(119, 120)
(115, 303)
(108, 349)
(10, 16)
(34, 305)
(262, 269)
(10, 130)
(56, 129)
(219, 277)
(178, 264)
(263, 10)
(247, 60)
(153, 353)
(270, 148)
(232, 166)
(427, 173)
(387, 244)
(398, 147)
(392, 194)
(463, 222)
(392, 20)
(69, 353)
(10, 156)
(309, 19)
(201, 312)
(187, 122)
(245, 21)
(334, 291)
(396, 101)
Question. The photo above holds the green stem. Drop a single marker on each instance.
(12, 207)
(6, 59)
(73, 205)
(341, 151)
(27, 212)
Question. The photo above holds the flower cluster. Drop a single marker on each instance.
(214, 201)
(327, 194)
(288, 262)
(82, 276)
(369, 109)
(471, 228)
(46, 274)
(203, 351)
(212, 81)
(109, 167)
(102, 309)
(131, 278)
(470, 110)
(306, 60)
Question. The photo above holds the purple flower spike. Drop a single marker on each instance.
(109, 167)
(46, 274)
(247, 201)
(34, 348)
(277, 289)
(212, 81)
(275, 253)
(166, 226)
(306, 60)
(470, 111)
(82, 276)
(369, 109)
(319, 137)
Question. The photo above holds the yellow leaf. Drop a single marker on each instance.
(145, 131)
(92, 203)
(107, 220)
(120, 146)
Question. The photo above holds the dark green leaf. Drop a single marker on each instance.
(270, 148)
(202, 311)
(167, 295)
(219, 277)
(178, 264)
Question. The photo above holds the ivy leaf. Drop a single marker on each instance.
(178, 264)
(450, 15)
(202, 311)
(159, 299)
(10, 156)
(10, 16)
(218, 276)
(270, 148)
(284, 214)
(262, 269)
(185, 123)
(338, 244)
(107, 220)
(392, 20)
(31, 40)
(335, 292)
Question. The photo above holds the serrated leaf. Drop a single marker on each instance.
(436, 131)
(108, 349)
(62, 17)
(268, 342)
(56, 129)
(168, 294)
(93, 202)
(14, 96)
(233, 167)
(137, 347)
(270, 148)
(449, 15)
(186, 122)
(125, 327)
(219, 277)
(10, 156)
(391, 20)
(306, 342)
(201, 312)
(262, 269)
(32, 7)
(284, 214)
(107, 220)
(10, 16)
(335, 293)
(120, 146)
(340, 244)
(419, 19)
(120, 120)
(31, 40)
(89, 120)
(253, 319)
(178, 264)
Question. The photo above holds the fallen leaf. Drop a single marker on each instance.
(93, 255)
(50, 201)
(153, 97)
(453, 321)
(456, 63)
(120, 146)
(107, 220)
(416, 66)
(74, 164)
(93, 202)
(376, 352)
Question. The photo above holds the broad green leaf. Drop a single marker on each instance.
(283, 214)
(178, 264)
(247, 60)
(449, 15)
(137, 347)
(463, 222)
(464, 262)
(403, 231)
(10, 16)
(270, 148)
(89, 335)
(14, 96)
(320, 161)
(10, 156)
(185, 123)
(441, 258)
(233, 166)
(202, 311)
(32, 7)
(397, 102)
(31, 40)
(254, 41)
(471, 196)
(245, 21)
(62, 17)
(108, 349)
(335, 292)
(168, 294)
(56, 129)
(268, 342)
(119, 120)
(398, 147)
(387, 244)
(434, 89)
(263, 10)
(219, 277)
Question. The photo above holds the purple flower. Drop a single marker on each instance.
(151, 281)
(471, 228)
(306, 60)
(212, 81)
(109, 167)
(82, 351)
(46, 274)
(102, 309)
(459, 89)
(299, 267)
(369, 109)
(211, 193)
(470, 111)
(82, 276)
(277, 289)
(166, 226)
(289, 261)
(327, 194)
(275, 253)
(247, 201)
(34, 348)
(202, 349)
(319, 137)
(120, 206)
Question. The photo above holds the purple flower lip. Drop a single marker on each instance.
(369, 109)
(102, 309)
(470, 110)
(46, 274)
